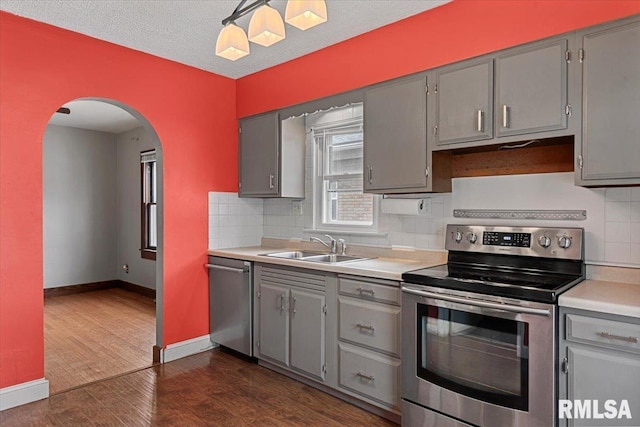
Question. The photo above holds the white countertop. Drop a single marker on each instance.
(605, 297)
(379, 268)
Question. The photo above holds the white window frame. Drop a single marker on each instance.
(319, 179)
(149, 195)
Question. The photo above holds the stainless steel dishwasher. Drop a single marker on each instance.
(231, 304)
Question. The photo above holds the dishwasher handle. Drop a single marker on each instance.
(222, 267)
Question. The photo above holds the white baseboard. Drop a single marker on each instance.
(24, 393)
(186, 348)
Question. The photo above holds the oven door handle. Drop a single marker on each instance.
(478, 303)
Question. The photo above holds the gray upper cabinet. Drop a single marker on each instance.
(395, 136)
(259, 154)
(531, 88)
(609, 153)
(463, 102)
(271, 156)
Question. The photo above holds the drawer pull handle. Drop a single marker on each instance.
(618, 337)
(365, 327)
(366, 291)
(365, 376)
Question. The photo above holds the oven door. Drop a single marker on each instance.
(478, 359)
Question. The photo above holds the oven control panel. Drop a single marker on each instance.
(549, 242)
(495, 238)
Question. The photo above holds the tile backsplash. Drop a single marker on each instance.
(612, 228)
(622, 225)
(234, 222)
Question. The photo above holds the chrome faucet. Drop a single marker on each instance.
(332, 245)
(344, 246)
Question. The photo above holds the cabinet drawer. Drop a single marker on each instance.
(370, 324)
(370, 374)
(606, 333)
(371, 290)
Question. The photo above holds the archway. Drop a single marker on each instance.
(94, 168)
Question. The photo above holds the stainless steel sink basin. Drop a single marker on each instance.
(333, 258)
(293, 254)
(314, 256)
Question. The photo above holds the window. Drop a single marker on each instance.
(339, 201)
(149, 216)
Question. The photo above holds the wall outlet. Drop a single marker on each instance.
(126, 268)
(296, 207)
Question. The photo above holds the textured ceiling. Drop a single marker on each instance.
(95, 115)
(186, 30)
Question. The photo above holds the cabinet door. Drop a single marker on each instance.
(259, 153)
(308, 332)
(604, 375)
(531, 89)
(464, 103)
(611, 104)
(395, 143)
(274, 323)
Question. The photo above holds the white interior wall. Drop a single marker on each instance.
(141, 271)
(79, 206)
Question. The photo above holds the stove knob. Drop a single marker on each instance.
(458, 236)
(472, 237)
(544, 241)
(564, 242)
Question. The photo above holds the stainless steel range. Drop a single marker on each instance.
(479, 334)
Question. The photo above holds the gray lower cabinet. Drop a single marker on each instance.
(291, 329)
(609, 151)
(369, 340)
(396, 159)
(463, 109)
(599, 361)
(532, 88)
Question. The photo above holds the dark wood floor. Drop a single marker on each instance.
(95, 335)
(208, 389)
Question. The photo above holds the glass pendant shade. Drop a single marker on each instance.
(232, 42)
(266, 26)
(304, 14)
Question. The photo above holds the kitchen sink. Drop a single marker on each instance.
(332, 258)
(294, 254)
(314, 256)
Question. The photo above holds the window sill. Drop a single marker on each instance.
(345, 232)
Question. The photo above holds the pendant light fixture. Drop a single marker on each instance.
(266, 26)
(232, 42)
(304, 14)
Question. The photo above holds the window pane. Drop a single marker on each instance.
(152, 233)
(344, 153)
(346, 204)
(153, 194)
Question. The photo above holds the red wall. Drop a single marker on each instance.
(455, 31)
(193, 112)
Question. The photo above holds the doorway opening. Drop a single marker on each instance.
(102, 240)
